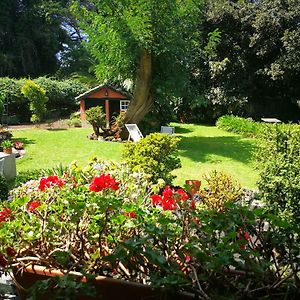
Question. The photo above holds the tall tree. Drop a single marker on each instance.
(257, 57)
(32, 34)
(145, 41)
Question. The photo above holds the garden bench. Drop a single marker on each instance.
(167, 129)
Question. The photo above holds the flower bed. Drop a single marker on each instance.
(104, 220)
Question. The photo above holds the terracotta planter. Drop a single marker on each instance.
(194, 186)
(107, 288)
(7, 150)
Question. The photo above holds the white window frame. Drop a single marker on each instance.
(124, 105)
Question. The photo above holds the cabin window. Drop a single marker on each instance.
(124, 105)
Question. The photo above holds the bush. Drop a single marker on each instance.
(221, 189)
(96, 117)
(156, 155)
(245, 127)
(74, 120)
(279, 183)
(61, 95)
(18, 105)
(3, 188)
(37, 98)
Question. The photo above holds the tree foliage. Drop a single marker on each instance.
(254, 66)
(145, 41)
(35, 37)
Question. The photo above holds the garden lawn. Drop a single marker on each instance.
(202, 149)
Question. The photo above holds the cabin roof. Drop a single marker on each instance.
(100, 87)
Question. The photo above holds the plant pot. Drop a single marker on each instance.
(7, 150)
(193, 186)
(107, 288)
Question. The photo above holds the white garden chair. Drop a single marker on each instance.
(134, 132)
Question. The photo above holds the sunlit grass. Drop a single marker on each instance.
(202, 149)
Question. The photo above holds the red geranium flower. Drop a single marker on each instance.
(103, 182)
(169, 198)
(33, 205)
(4, 214)
(130, 215)
(50, 181)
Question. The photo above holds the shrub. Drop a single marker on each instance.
(245, 127)
(17, 104)
(279, 158)
(221, 189)
(61, 95)
(25, 176)
(96, 117)
(2, 101)
(37, 97)
(3, 188)
(74, 120)
(156, 155)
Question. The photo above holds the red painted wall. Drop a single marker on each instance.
(110, 94)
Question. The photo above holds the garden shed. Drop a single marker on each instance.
(110, 98)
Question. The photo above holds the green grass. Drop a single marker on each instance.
(207, 148)
(202, 149)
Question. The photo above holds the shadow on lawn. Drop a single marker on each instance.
(56, 129)
(182, 130)
(200, 149)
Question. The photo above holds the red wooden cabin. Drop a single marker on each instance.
(111, 99)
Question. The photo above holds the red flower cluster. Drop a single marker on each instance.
(103, 182)
(33, 205)
(50, 181)
(244, 237)
(4, 214)
(169, 198)
(130, 215)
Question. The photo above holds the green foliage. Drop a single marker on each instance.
(6, 144)
(245, 127)
(32, 34)
(61, 95)
(279, 183)
(221, 189)
(2, 101)
(3, 188)
(156, 155)
(24, 176)
(17, 103)
(254, 61)
(96, 117)
(74, 120)
(113, 228)
(37, 99)
(67, 287)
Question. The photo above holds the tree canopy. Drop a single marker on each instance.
(33, 34)
(145, 41)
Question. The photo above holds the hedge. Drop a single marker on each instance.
(61, 95)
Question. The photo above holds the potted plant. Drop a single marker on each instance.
(7, 146)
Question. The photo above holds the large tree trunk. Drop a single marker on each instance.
(142, 99)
